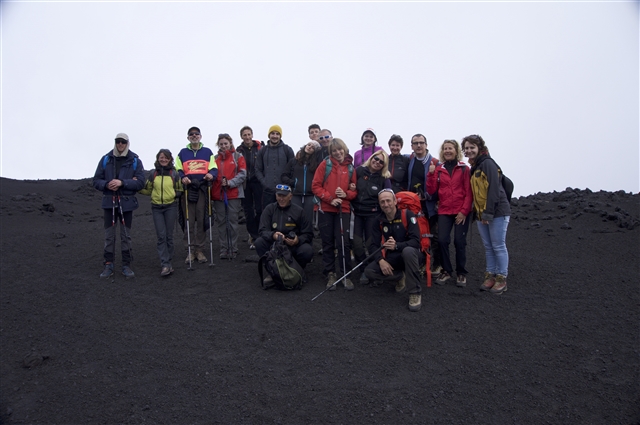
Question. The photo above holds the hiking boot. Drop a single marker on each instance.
(415, 302)
(364, 280)
(166, 271)
(127, 272)
(443, 278)
(331, 279)
(108, 270)
(401, 284)
(252, 246)
(200, 257)
(461, 281)
(489, 281)
(227, 256)
(191, 258)
(267, 282)
(500, 286)
(436, 271)
(348, 285)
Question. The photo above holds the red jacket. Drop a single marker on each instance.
(454, 191)
(338, 177)
(231, 165)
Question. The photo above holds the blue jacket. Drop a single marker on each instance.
(430, 201)
(132, 176)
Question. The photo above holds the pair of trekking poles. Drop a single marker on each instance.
(344, 266)
(210, 213)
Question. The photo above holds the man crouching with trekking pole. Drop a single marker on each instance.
(282, 219)
(400, 260)
(119, 176)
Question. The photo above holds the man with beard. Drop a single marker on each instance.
(271, 163)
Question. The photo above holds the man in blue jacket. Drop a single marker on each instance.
(119, 176)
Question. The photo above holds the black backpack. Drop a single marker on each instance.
(507, 183)
(282, 267)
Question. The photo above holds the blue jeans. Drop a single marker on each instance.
(164, 220)
(494, 237)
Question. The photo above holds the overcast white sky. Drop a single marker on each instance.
(553, 88)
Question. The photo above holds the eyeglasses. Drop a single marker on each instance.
(378, 159)
(121, 142)
(324, 137)
(283, 187)
(418, 143)
(194, 134)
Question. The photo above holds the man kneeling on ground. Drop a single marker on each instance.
(284, 220)
(401, 263)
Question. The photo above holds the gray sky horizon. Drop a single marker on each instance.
(549, 86)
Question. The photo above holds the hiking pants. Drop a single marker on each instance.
(164, 220)
(268, 197)
(224, 233)
(436, 255)
(409, 262)
(329, 226)
(445, 224)
(362, 227)
(110, 224)
(252, 205)
(197, 214)
(306, 203)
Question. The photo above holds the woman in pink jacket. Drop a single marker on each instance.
(451, 181)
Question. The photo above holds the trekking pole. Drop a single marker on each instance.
(210, 227)
(186, 211)
(124, 226)
(226, 213)
(344, 267)
(351, 271)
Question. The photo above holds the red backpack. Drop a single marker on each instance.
(410, 201)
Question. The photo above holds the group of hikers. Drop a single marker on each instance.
(352, 201)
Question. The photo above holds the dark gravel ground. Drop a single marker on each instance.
(210, 346)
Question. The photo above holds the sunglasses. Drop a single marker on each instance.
(378, 159)
(386, 189)
(283, 187)
(194, 134)
(223, 136)
(324, 137)
(121, 142)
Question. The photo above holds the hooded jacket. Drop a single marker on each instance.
(232, 166)
(454, 191)
(338, 177)
(489, 197)
(130, 172)
(271, 163)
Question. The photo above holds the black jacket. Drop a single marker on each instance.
(398, 166)
(250, 157)
(368, 185)
(284, 220)
(299, 177)
(404, 237)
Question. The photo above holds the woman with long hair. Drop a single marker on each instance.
(450, 181)
(492, 210)
(299, 175)
(332, 185)
(226, 192)
(371, 178)
(165, 188)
